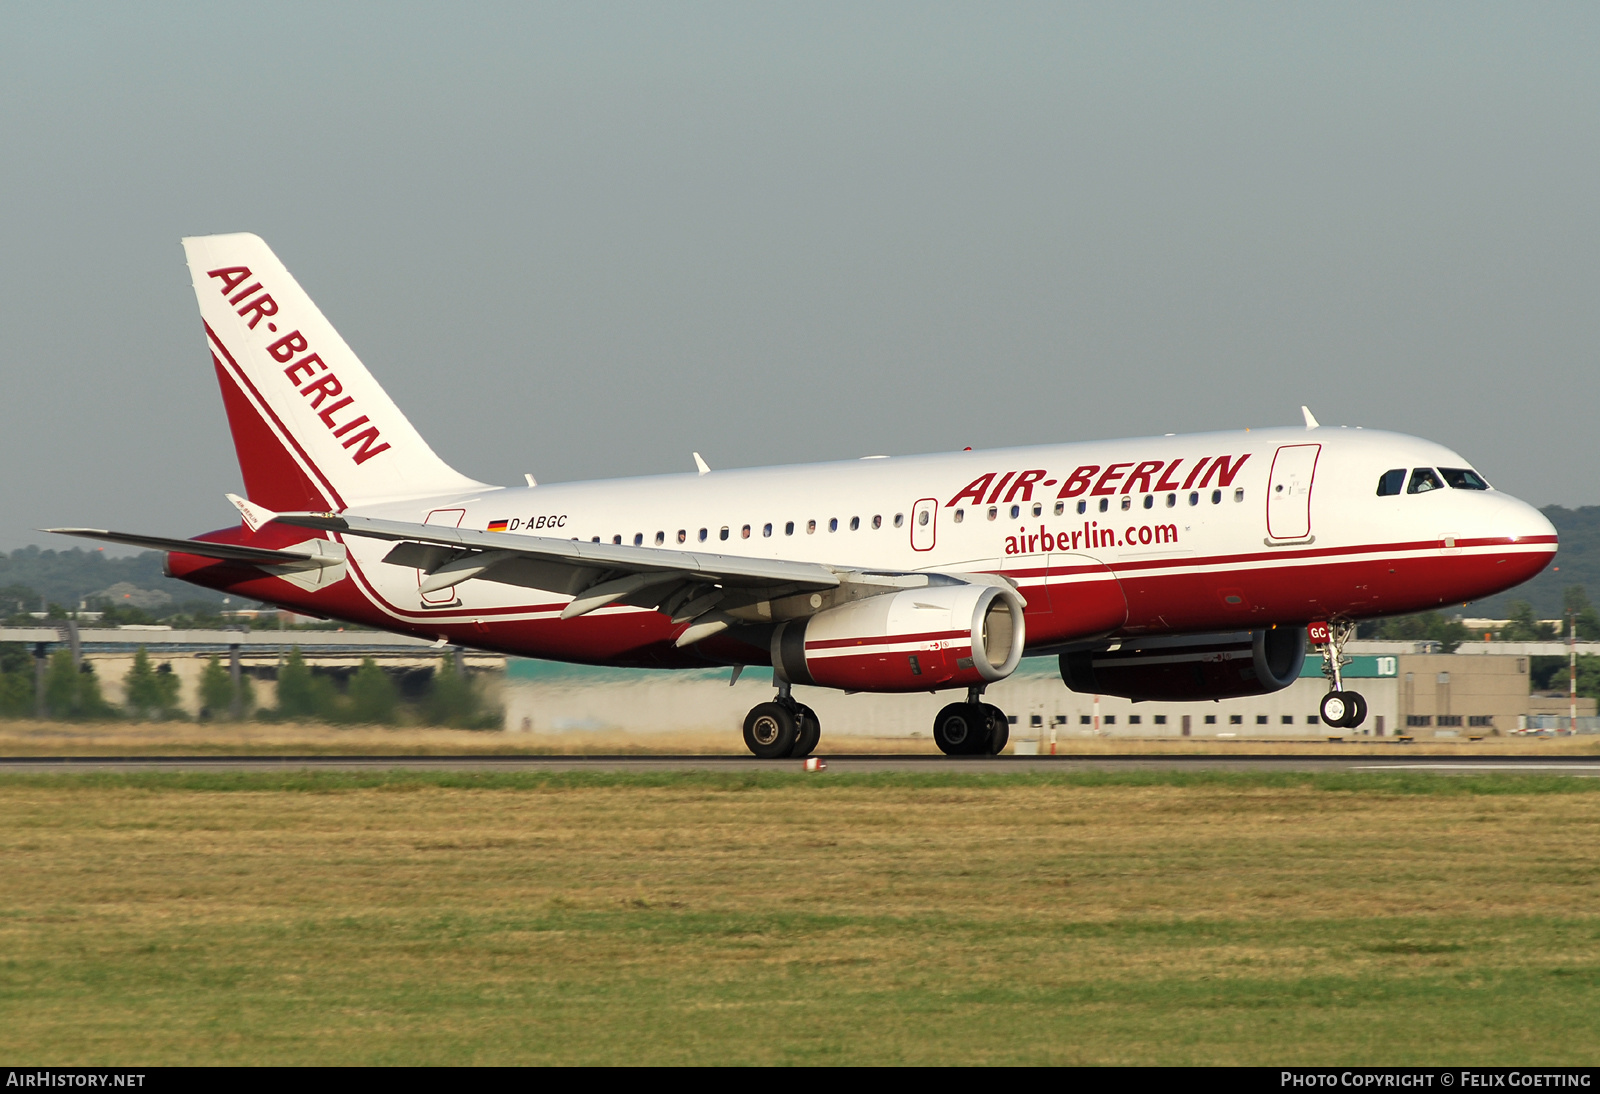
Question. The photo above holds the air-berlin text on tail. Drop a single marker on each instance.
(255, 304)
(1146, 477)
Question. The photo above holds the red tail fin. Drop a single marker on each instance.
(271, 476)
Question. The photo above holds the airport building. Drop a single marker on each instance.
(1409, 694)
(1482, 690)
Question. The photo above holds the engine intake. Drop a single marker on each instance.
(1191, 667)
(939, 636)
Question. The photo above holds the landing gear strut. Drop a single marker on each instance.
(1340, 708)
(972, 728)
(782, 728)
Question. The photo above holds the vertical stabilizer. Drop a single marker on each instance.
(312, 428)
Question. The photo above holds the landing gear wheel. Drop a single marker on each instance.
(1344, 709)
(1359, 712)
(999, 729)
(770, 730)
(808, 732)
(962, 729)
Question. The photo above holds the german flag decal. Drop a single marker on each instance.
(497, 526)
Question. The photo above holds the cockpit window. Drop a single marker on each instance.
(1424, 479)
(1391, 482)
(1462, 478)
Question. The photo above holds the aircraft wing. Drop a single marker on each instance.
(690, 586)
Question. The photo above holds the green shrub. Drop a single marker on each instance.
(150, 692)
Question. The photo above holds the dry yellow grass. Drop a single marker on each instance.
(784, 919)
(31, 738)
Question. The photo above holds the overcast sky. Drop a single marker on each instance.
(584, 240)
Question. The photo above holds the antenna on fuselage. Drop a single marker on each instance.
(1311, 419)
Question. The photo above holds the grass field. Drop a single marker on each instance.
(695, 918)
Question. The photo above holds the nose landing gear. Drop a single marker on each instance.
(1340, 708)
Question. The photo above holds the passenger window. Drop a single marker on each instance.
(1391, 482)
(1172, 499)
(1424, 479)
(993, 512)
(788, 529)
(616, 540)
(1105, 503)
(1149, 501)
(1016, 511)
(1038, 509)
(1083, 507)
(638, 539)
(833, 525)
(1061, 507)
(1238, 494)
(596, 539)
(960, 513)
(766, 530)
(922, 518)
(1461, 478)
(1127, 503)
(703, 534)
(683, 536)
(661, 537)
(811, 527)
(877, 521)
(723, 535)
(1216, 497)
(744, 533)
(1194, 497)
(855, 524)
(899, 519)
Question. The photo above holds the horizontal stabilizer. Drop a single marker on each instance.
(323, 554)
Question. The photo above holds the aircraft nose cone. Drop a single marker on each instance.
(1523, 522)
(1532, 541)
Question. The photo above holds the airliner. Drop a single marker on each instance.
(1180, 568)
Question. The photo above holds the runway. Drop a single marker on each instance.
(1576, 766)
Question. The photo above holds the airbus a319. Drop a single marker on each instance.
(1176, 567)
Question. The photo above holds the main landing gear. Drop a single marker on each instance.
(782, 729)
(1340, 708)
(972, 728)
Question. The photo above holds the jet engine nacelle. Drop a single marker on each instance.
(937, 636)
(1191, 667)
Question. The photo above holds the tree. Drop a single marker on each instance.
(454, 700)
(72, 692)
(216, 691)
(1523, 627)
(1575, 603)
(373, 697)
(1423, 627)
(150, 692)
(301, 693)
(16, 694)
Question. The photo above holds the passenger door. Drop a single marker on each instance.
(1289, 492)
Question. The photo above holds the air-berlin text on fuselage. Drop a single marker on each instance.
(256, 304)
(1146, 477)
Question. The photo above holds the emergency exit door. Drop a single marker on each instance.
(448, 518)
(1289, 491)
(924, 523)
